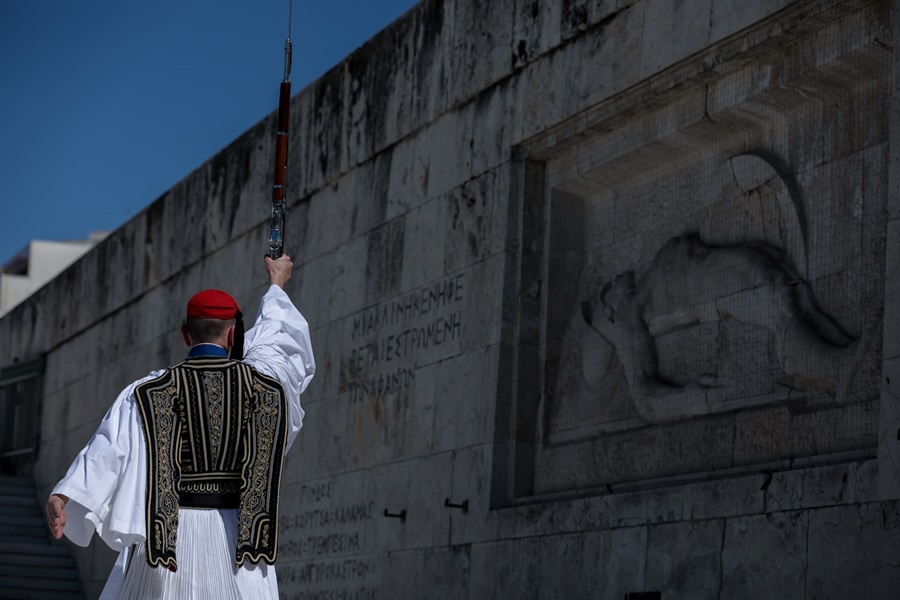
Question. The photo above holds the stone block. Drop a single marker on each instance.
(404, 574)
(428, 519)
(469, 214)
(724, 497)
(384, 260)
(663, 505)
(471, 481)
(424, 237)
(672, 33)
(481, 51)
(763, 555)
(332, 210)
(449, 152)
(730, 16)
(891, 330)
(552, 565)
(445, 572)
(496, 571)
(388, 490)
(564, 516)
(462, 415)
(889, 432)
(409, 175)
(614, 562)
(544, 567)
(536, 29)
(812, 488)
(482, 312)
(847, 546)
(684, 559)
(496, 108)
(432, 50)
(345, 276)
(328, 351)
(320, 436)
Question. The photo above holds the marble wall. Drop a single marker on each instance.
(462, 188)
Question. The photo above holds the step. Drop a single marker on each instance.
(17, 490)
(23, 500)
(38, 572)
(32, 565)
(12, 480)
(7, 519)
(33, 532)
(21, 521)
(20, 594)
(41, 538)
(43, 561)
(25, 583)
(21, 510)
(41, 547)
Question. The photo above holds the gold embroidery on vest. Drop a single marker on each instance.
(214, 386)
(157, 405)
(214, 426)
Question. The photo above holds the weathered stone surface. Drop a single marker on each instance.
(763, 555)
(471, 483)
(495, 570)
(846, 549)
(615, 562)
(724, 498)
(684, 559)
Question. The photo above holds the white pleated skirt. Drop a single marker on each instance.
(207, 540)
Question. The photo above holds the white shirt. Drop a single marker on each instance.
(106, 484)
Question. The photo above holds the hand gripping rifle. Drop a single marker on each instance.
(279, 210)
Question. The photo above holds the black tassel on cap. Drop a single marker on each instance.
(237, 350)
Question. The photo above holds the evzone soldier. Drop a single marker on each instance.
(182, 477)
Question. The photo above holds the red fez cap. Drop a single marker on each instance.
(212, 304)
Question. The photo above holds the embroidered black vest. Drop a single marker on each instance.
(215, 430)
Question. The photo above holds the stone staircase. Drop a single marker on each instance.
(32, 566)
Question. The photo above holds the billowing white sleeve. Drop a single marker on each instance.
(278, 345)
(106, 483)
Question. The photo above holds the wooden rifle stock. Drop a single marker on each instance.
(279, 207)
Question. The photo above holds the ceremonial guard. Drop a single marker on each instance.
(182, 477)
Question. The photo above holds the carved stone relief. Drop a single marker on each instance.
(691, 284)
(699, 284)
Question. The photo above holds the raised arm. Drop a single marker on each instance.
(278, 344)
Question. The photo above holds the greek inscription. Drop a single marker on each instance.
(330, 517)
(410, 306)
(386, 339)
(317, 546)
(313, 573)
(388, 383)
(401, 345)
(316, 492)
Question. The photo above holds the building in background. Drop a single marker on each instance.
(38, 263)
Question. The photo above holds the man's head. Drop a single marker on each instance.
(213, 317)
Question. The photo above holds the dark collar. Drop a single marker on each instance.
(207, 350)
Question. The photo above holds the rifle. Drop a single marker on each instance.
(279, 210)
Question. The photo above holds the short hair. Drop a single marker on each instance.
(207, 330)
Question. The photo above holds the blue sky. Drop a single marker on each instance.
(105, 104)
